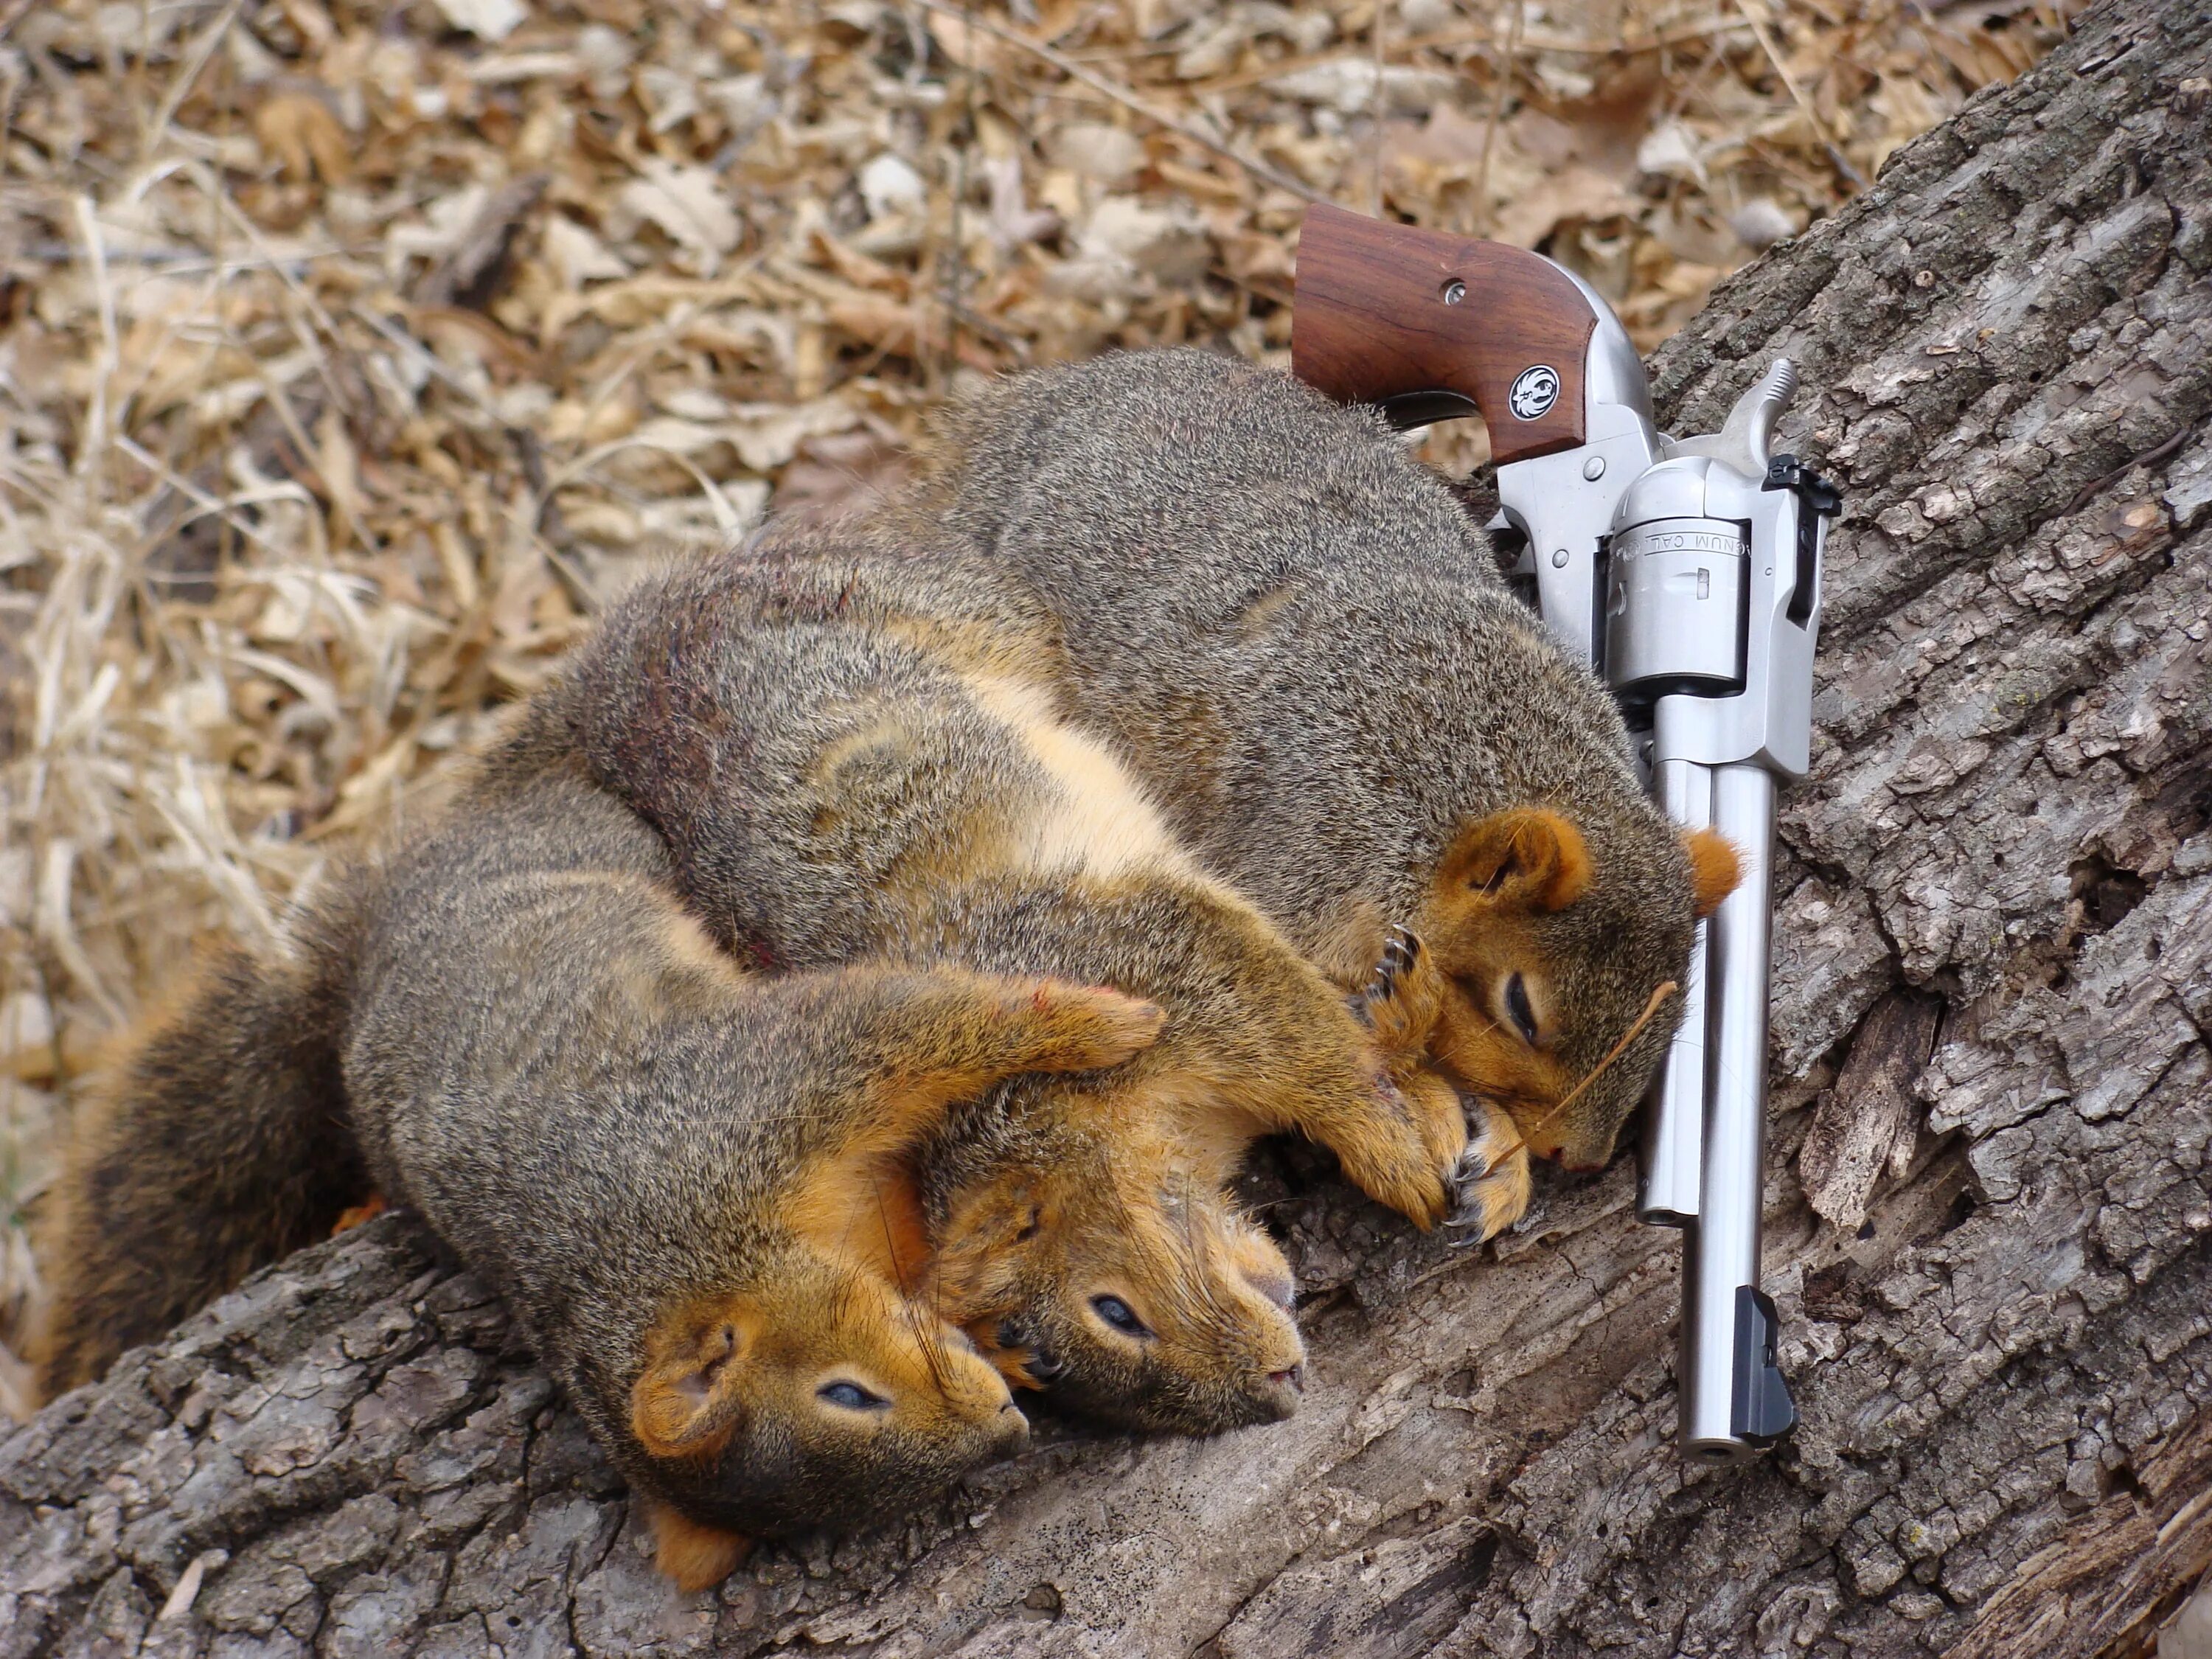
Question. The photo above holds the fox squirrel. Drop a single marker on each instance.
(833, 791)
(690, 1183)
(1295, 635)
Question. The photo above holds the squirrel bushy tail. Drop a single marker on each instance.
(217, 1143)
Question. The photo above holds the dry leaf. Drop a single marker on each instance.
(299, 130)
(1574, 192)
(1111, 156)
(578, 257)
(1348, 85)
(690, 203)
(1169, 244)
(488, 20)
(889, 185)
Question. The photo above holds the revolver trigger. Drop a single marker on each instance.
(1511, 549)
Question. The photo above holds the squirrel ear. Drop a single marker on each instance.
(1714, 869)
(1014, 1213)
(1527, 857)
(686, 1403)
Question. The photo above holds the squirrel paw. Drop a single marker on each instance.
(1400, 1004)
(1399, 1160)
(1402, 998)
(1020, 1358)
(1084, 1028)
(1492, 1181)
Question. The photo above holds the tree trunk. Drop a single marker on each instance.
(1989, 1220)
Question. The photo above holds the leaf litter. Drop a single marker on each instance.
(352, 355)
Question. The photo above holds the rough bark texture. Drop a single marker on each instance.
(1999, 881)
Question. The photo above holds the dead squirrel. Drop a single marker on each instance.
(1295, 635)
(833, 791)
(688, 1182)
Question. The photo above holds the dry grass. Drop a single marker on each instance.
(350, 352)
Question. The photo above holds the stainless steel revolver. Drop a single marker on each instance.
(1687, 573)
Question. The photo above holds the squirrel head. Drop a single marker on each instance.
(1135, 1291)
(814, 1394)
(1563, 953)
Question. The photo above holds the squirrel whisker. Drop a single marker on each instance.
(1659, 995)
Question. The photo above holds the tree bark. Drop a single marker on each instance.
(1994, 981)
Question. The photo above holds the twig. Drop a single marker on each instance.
(1497, 110)
(97, 412)
(177, 262)
(1381, 109)
(2148, 457)
(1767, 45)
(211, 186)
(1531, 39)
(1108, 88)
(543, 521)
(952, 261)
(408, 346)
(483, 246)
(202, 49)
(207, 504)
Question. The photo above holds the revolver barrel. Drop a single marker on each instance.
(1713, 584)
(1674, 1117)
(1733, 1397)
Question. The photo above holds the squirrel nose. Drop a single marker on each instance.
(1278, 1396)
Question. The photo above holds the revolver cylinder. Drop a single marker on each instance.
(1674, 598)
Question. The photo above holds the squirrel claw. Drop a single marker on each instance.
(1491, 1180)
(1400, 950)
(1401, 997)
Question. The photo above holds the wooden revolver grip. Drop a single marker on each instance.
(1425, 323)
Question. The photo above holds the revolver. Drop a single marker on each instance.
(1687, 573)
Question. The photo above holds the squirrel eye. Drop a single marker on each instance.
(1118, 1313)
(1518, 1005)
(852, 1396)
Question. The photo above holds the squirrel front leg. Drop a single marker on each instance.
(1398, 1145)
(931, 1040)
(1401, 1002)
(1404, 1139)
(1400, 1139)
(949, 1036)
(1489, 1161)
